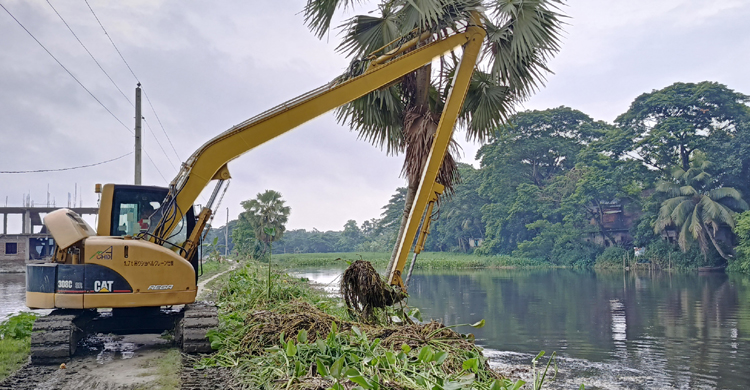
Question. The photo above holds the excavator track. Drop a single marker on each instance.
(198, 318)
(54, 337)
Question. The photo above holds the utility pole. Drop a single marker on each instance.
(138, 134)
(226, 235)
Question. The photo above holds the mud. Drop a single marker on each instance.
(109, 362)
(104, 363)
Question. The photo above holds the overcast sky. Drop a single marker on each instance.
(207, 66)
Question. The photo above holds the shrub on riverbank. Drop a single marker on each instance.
(299, 338)
(15, 341)
(426, 260)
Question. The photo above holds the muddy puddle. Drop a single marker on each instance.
(101, 362)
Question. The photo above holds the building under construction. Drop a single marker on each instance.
(33, 242)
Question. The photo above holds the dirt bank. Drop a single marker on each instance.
(123, 363)
(115, 362)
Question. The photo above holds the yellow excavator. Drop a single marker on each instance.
(142, 260)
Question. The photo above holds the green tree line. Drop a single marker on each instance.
(670, 176)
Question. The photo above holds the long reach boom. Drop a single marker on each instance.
(209, 162)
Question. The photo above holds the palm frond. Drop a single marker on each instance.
(682, 212)
(688, 191)
(486, 107)
(319, 13)
(665, 213)
(724, 192)
(696, 228)
(703, 178)
(433, 15)
(684, 238)
(364, 34)
(712, 211)
(670, 189)
(377, 117)
(521, 36)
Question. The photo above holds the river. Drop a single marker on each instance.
(611, 330)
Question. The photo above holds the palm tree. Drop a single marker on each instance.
(402, 118)
(696, 207)
(266, 211)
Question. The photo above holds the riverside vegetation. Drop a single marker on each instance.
(299, 338)
(15, 341)
(669, 175)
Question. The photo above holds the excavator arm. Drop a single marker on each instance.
(209, 162)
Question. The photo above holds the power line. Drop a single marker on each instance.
(162, 126)
(69, 168)
(137, 80)
(66, 69)
(160, 147)
(110, 39)
(155, 166)
(90, 55)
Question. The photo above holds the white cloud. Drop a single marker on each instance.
(208, 66)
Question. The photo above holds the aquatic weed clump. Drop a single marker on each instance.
(364, 291)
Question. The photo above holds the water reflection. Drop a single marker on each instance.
(12, 294)
(680, 330)
(612, 329)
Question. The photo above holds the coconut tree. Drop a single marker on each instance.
(265, 213)
(697, 208)
(402, 117)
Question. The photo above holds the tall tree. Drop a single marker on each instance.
(666, 126)
(521, 36)
(267, 210)
(459, 218)
(524, 158)
(697, 208)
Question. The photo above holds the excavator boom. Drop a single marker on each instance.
(209, 161)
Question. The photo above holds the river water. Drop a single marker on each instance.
(611, 330)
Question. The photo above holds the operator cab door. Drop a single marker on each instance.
(137, 209)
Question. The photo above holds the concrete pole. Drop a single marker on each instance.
(138, 134)
(5, 223)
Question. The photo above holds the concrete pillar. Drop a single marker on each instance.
(5, 223)
(27, 221)
(23, 223)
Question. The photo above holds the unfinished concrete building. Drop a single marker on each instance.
(33, 242)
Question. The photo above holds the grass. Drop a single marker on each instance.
(15, 342)
(426, 260)
(13, 354)
(300, 338)
(168, 369)
(211, 268)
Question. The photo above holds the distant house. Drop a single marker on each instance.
(612, 221)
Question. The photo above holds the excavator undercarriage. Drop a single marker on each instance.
(55, 337)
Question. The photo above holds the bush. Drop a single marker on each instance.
(611, 257)
(17, 327)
